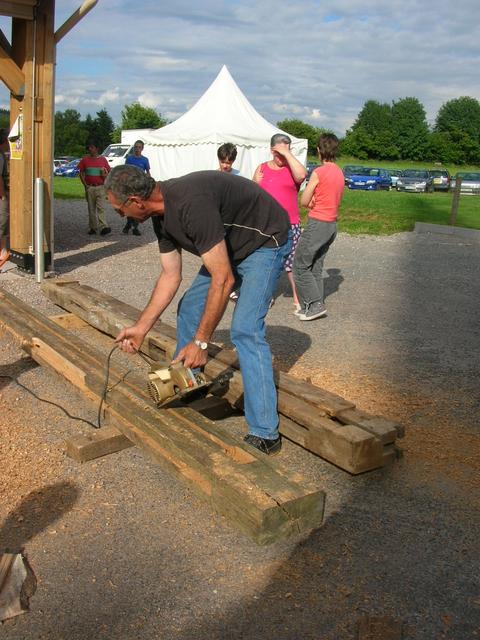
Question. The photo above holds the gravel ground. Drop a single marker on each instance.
(122, 550)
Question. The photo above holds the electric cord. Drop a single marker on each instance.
(59, 406)
(106, 390)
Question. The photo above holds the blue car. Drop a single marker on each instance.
(369, 179)
(68, 170)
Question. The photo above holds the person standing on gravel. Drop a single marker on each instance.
(93, 170)
(137, 159)
(322, 195)
(242, 236)
(282, 177)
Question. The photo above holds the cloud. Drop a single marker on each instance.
(317, 60)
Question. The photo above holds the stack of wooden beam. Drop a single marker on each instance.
(256, 494)
(320, 421)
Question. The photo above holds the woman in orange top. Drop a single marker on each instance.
(322, 195)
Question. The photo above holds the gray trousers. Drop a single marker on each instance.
(311, 250)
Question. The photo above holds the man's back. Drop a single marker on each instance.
(205, 207)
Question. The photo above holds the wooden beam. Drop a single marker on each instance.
(33, 51)
(96, 444)
(314, 418)
(5, 44)
(257, 495)
(74, 19)
(10, 73)
(23, 9)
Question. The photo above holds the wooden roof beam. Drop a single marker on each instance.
(23, 9)
(10, 73)
(74, 19)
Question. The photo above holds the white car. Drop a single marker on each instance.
(117, 153)
(470, 183)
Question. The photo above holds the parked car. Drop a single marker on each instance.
(441, 179)
(369, 179)
(417, 180)
(470, 182)
(394, 175)
(349, 169)
(117, 153)
(68, 170)
(311, 166)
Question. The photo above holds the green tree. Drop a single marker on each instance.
(101, 129)
(454, 147)
(460, 114)
(410, 129)
(135, 116)
(301, 129)
(372, 134)
(5, 119)
(375, 117)
(70, 133)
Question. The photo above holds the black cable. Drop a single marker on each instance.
(105, 388)
(107, 375)
(102, 399)
(7, 377)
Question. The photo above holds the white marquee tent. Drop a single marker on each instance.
(222, 114)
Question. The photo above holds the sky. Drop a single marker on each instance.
(315, 60)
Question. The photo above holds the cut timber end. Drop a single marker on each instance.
(96, 444)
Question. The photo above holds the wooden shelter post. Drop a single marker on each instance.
(33, 51)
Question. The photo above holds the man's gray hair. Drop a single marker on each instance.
(128, 180)
(279, 138)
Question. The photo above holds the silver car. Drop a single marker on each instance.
(417, 180)
(394, 175)
(470, 183)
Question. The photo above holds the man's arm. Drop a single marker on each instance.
(217, 263)
(131, 338)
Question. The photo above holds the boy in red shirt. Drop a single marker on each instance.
(93, 170)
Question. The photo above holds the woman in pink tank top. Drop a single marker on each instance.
(281, 177)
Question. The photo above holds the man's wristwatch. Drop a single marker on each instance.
(202, 345)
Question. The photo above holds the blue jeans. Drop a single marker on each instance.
(256, 279)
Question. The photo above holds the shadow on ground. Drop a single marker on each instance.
(37, 511)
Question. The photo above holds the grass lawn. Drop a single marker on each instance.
(67, 188)
(386, 212)
(371, 212)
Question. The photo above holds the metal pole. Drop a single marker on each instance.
(39, 229)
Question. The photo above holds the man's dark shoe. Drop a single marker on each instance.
(105, 230)
(270, 447)
(136, 232)
(91, 232)
(126, 228)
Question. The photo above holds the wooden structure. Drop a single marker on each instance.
(27, 67)
(318, 420)
(256, 494)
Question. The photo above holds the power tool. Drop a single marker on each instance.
(169, 382)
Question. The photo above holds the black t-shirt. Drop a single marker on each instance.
(206, 207)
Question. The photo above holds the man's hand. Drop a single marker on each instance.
(130, 339)
(192, 356)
